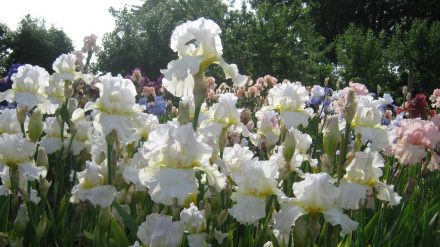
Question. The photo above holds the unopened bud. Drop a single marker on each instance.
(68, 92)
(405, 90)
(358, 143)
(379, 89)
(111, 137)
(222, 217)
(104, 218)
(246, 116)
(21, 113)
(326, 81)
(331, 136)
(184, 113)
(410, 186)
(208, 210)
(44, 187)
(42, 159)
(72, 104)
(408, 97)
(337, 84)
(59, 120)
(289, 146)
(21, 221)
(350, 107)
(35, 128)
(73, 130)
(325, 163)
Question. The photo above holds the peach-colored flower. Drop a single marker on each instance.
(212, 96)
(408, 154)
(253, 91)
(174, 110)
(436, 120)
(435, 162)
(211, 83)
(149, 91)
(414, 136)
(435, 98)
(136, 75)
(240, 92)
(358, 88)
(270, 80)
(418, 132)
(234, 137)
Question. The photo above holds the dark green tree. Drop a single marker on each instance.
(5, 44)
(34, 43)
(332, 17)
(364, 58)
(278, 39)
(416, 53)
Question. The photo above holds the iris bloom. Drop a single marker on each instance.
(52, 140)
(9, 122)
(268, 127)
(289, 99)
(28, 86)
(223, 116)
(314, 195)
(116, 107)
(174, 154)
(255, 182)
(198, 45)
(92, 186)
(16, 152)
(64, 67)
(363, 174)
(159, 230)
(367, 121)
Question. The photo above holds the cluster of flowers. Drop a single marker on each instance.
(213, 152)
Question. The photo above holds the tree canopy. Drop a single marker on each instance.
(35, 43)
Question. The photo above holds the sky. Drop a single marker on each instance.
(78, 18)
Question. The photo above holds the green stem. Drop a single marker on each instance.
(109, 163)
(199, 96)
(23, 130)
(89, 57)
(343, 157)
(196, 115)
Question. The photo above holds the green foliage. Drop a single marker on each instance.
(5, 42)
(278, 39)
(364, 58)
(34, 43)
(417, 52)
(333, 17)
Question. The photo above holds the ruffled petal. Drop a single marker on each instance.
(351, 195)
(385, 192)
(287, 216)
(101, 195)
(249, 209)
(164, 184)
(335, 217)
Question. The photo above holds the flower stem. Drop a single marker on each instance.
(199, 96)
(196, 116)
(343, 157)
(109, 163)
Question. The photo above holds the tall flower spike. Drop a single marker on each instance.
(198, 45)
